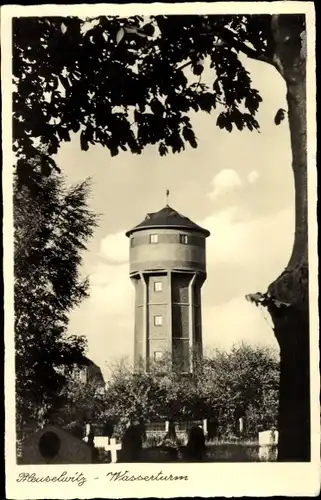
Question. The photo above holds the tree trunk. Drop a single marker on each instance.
(287, 297)
(291, 327)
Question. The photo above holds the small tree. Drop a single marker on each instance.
(83, 403)
(51, 231)
(228, 385)
(132, 396)
(242, 382)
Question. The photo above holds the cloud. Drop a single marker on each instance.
(238, 237)
(224, 182)
(244, 255)
(253, 176)
(115, 248)
(225, 237)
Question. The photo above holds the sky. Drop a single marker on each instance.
(238, 185)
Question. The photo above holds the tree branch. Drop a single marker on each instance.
(199, 81)
(228, 37)
(184, 65)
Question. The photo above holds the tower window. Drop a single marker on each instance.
(158, 286)
(132, 240)
(158, 320)
(184, 239)
(158, 355)
(153, 238)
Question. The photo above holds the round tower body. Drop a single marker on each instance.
(168, 269)
(167, 248)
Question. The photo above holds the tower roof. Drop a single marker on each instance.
(167, 217)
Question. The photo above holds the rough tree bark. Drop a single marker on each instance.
(287, 297)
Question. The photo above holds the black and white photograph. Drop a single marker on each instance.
(159, 246)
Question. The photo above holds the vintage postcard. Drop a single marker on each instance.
(160, 250)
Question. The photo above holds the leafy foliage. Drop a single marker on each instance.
(279, 117)
(246, 385)
(133, 396)
(82, 403)
(242, 382)
(122, 82)
(50, 233)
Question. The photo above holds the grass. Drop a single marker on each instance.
(156, 439)
(222, 450)
(244, 442)
(240, 452)
(233, 452)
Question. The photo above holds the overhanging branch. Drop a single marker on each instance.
(228, 37)
(188, 63)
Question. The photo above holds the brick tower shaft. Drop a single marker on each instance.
(167, 269)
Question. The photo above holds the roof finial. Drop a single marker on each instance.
(167, 196)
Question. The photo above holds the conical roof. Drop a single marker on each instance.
(167, 217)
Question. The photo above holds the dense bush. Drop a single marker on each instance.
(241, 382)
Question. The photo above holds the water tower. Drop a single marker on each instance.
(168, 269)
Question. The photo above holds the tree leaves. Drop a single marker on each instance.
(228, 384)
(148, 29)
(163, 150)
(206, 101)
(120, 35)
(71, 79)
(198, 69)
(226, 120)
(221, 120)
(63, 134)
(252, 101)
(49, 237)
(84, 141)
(157, 107)
(63, 28)
(189, 136)
(279, 116)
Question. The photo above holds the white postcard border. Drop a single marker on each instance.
(204, 480)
